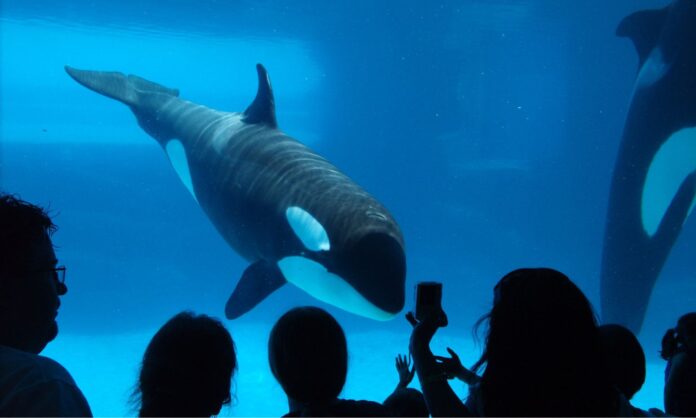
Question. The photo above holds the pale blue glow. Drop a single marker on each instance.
(308, 229)
(675, 160)
(177, 156)
(652, 70)
(314, 279)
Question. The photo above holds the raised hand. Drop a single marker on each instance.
(424, 330)
(406, 372)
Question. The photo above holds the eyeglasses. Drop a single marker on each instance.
(59, 274)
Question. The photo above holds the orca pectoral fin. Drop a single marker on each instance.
(676, 214)
(643, 28)
(258, 281)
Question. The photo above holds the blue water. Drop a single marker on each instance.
(488, 128)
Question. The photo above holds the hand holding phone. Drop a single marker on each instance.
(428, 299)
(428, 317)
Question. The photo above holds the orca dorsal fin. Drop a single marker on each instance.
(644, 29)
(262, 109)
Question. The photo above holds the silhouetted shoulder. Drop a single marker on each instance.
(680, 390)
(344, 408)
(33, 385)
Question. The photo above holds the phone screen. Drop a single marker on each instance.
(428, 297)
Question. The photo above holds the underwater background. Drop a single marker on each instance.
(489, 128)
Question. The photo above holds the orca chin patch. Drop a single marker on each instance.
(314, 279)
(177, 156)
(673, 162)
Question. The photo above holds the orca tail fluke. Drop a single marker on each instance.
(644, 29)
(258, 281)
(118, 86)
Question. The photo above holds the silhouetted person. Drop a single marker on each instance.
(407, 402)
(679, 349)
(308, 355)
(542, 354)
(624, 358)
(404, 401)
(187, 368)
(30, 286)
(625, 363)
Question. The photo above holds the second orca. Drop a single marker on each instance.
(654, 181)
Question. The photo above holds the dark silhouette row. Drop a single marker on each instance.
(544, 353)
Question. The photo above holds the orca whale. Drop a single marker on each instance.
(293, 215)
(654, 179)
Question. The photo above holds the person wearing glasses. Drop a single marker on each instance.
(31, 283)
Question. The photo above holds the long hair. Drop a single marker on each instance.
(542, 354)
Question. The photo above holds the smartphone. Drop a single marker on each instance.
(428, 298)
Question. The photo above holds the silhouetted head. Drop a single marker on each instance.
(624, 358)
(679, 348)
(680, 338)
(187, 368)
(29, 281)
(308, 355)
(686, 329)
(542, 354)
(407, 402)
